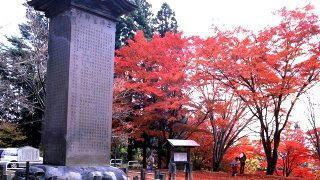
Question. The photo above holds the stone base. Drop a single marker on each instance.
(82, 172)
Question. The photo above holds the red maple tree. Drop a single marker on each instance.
(223, 113)
(266, 72)
(269, 71)
(313, 132)
(217, 105)
(202, 156)
(293, 152)
(155, 72)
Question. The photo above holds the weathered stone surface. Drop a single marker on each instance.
(77, 129)
(82, 173)
(77, 126)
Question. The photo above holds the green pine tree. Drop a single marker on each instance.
(139, 19)
(165, 20)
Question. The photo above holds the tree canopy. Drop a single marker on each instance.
(143, 19)
(267, 71)
(165, 20)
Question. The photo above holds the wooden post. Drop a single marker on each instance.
(172, 171)
(27, 170)
(143, 174)
(190, 170)
(186, 171)
(162, 176)
(156, 174)
(187, 176)
(170, 164)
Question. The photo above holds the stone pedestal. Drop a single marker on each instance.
(78, 117)
(82, 173)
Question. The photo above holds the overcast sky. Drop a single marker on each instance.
(194, 18)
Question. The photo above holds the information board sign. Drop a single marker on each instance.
(180, 157)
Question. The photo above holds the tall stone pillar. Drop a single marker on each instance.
(78, 117)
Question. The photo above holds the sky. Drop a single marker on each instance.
(197, 17)
(12, 12)
(193, 17)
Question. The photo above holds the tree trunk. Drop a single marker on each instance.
(217, 155)
(271, 166)
(159, 150)
(287, 173)
(144, 154)
(216, 162)
(284, 168)
(130, 150)
(272, 158)
(216, 166)
(168, 156)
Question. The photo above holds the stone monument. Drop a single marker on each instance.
(78, 117)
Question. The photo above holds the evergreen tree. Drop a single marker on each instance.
(10, 135)
(23, 66)
(165, 20)
(139, 19)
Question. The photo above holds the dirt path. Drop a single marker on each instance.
(204, 175)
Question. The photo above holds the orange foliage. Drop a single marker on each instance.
(155, 72)
(202, 156)
(229, 72)
(244, 145)
(269, 71)
(293, 153)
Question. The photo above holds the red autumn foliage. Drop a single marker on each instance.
(202, 157)
(266, 73)
(269, 71)
(217, 106)
(313, 133)
(155, 73)
(223, 115)
(293, 154)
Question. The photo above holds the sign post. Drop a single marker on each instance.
(180, 154)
